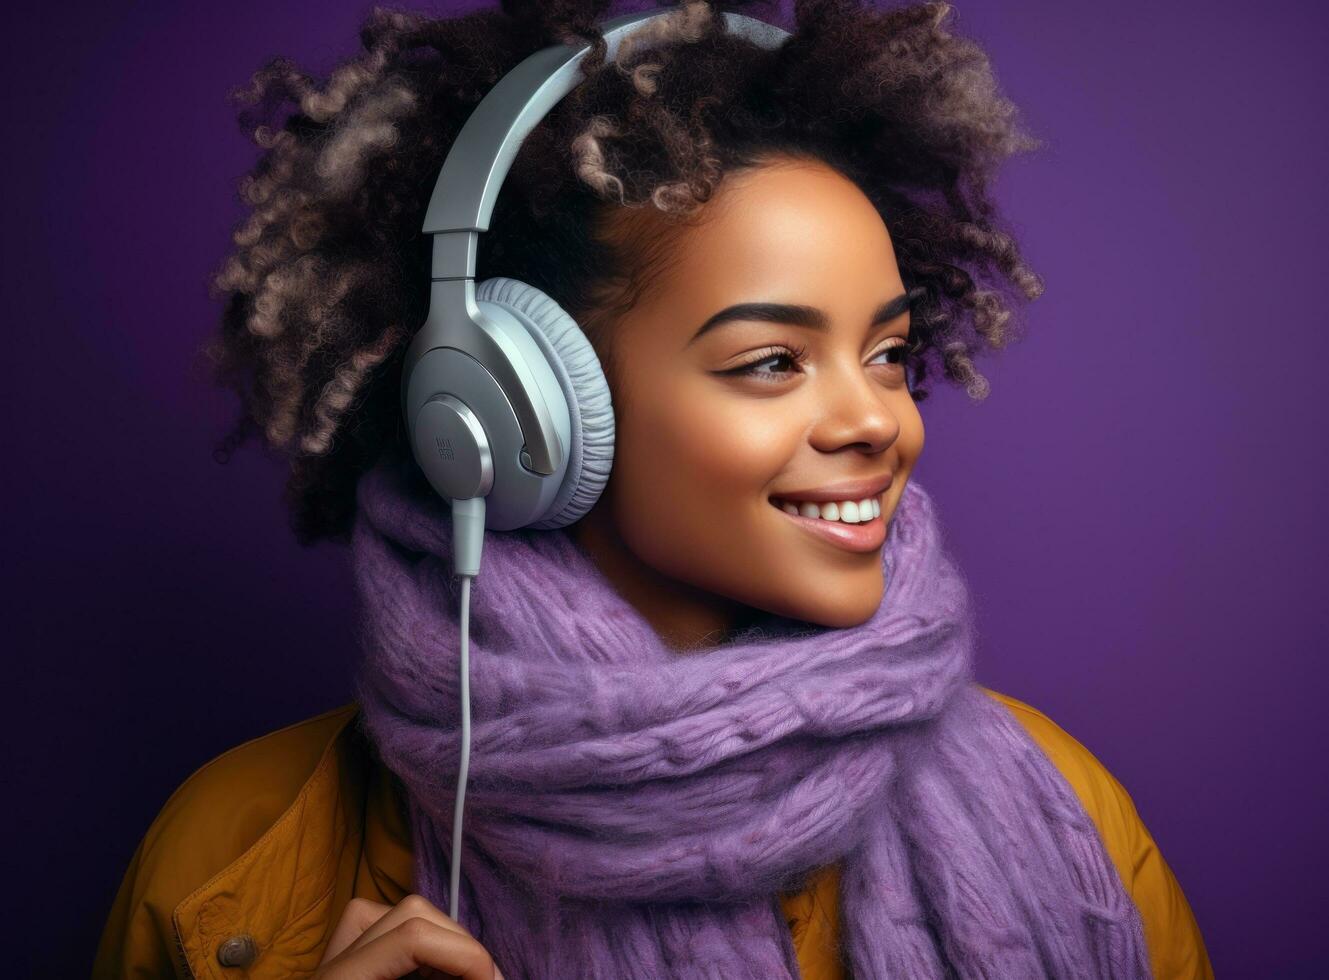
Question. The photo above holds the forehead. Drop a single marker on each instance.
(796, 232)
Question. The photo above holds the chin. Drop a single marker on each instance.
(838, 604)
(841, 615)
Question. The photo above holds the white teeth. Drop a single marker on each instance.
(846, 511)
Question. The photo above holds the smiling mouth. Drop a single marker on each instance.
(843, 511)
(832, 525)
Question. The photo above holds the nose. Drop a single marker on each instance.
(856, 413)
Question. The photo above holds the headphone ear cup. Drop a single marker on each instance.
(581, 376)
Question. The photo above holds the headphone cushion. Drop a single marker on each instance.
(582, 379)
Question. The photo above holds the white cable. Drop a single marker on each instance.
(468, 537)
(455, 883)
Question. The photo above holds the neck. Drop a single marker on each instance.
(683, 616)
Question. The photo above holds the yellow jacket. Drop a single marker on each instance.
(254, 857)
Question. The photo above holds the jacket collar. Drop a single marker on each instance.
(344, 835)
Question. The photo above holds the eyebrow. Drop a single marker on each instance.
(804, 316)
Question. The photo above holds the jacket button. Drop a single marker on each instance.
(237, 951)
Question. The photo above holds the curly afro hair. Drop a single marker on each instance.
(330, 274)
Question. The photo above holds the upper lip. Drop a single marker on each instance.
(850, 490)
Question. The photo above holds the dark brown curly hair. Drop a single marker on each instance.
(330, 275)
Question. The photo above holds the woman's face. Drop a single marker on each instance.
(720, 421)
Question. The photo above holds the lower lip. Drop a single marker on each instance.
(865, 536)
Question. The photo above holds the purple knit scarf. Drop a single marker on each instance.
(633, 812)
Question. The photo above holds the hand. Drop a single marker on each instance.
(373, 941)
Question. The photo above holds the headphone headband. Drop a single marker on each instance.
(481, 156)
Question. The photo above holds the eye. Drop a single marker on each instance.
(771, 355)
(895, 352)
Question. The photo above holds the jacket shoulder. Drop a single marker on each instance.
(210, 819)
(1176, 948)
(1102, 796)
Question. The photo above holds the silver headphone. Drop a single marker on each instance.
(507, 408)
(503, 396)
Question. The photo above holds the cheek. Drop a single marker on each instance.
(909, 444)
(692, 468)
(693, 458)
(908, 448)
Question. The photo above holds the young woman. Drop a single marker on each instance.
(725, 722)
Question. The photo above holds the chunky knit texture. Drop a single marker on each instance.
(634, 812)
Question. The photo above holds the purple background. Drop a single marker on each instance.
(1137, 505)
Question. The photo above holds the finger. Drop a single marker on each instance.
(419, 943)
(411, 907)
(359, 915)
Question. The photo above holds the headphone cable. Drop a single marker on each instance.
(468, 527)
